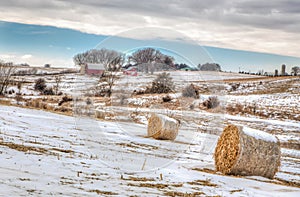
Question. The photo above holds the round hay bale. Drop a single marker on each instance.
(162, 127)
(247, 152)
(100, 114)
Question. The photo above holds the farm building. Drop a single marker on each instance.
(132, 71)
(271, 74)
(92, 69)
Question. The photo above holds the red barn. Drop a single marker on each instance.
(132, 71)
(94, 69)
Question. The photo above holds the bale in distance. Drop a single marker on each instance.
(162, 127)
(100, 114)
(247, 152)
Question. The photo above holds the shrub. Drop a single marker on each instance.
(12, 91)
(190, 91)
(167, 98)
(211, 102)
(48, 91)
(139, 92)
(162, 84)
(40, 85)
(235, 86)
(18, 98)
(102, 90)
(88, 101)
(235, 109)
(123, 99)
(33, 71)
(64, 100)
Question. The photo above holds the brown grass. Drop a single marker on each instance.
(291, 144)
(181, 194)
(203, 183)
(23, 148)
(276, 180)
(156, 185)
(253, 79)
(5, 102)
(99, 192)
(131, 178)
(236, 190)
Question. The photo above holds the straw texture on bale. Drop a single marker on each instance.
(247, 152)
(162, 127)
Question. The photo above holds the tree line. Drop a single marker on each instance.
(112, 60)
(147, 60)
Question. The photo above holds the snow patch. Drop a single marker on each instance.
(260, 135)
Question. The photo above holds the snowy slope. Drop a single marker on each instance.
(45, 154)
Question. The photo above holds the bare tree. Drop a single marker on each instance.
(80, 59)
(18, 96)
(147, 57)
(57, 81)
(162, 84)
(296, 70)
(19, 86)
(101, 56)
(6, 72)
(110, 75)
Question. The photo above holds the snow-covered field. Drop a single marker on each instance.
(180, 78)
(45, 154)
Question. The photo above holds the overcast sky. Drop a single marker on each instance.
(255, 25)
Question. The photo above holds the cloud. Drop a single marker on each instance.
(265, 26)
(27, 56)
(6, 56)
(18, 58)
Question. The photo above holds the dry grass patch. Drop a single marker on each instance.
(181, 194)
(5, 102)
(156, 185)
(131, 178)
(236, 190)
(206, 170)
(23, 148)
(102, 193)
(203, 183)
